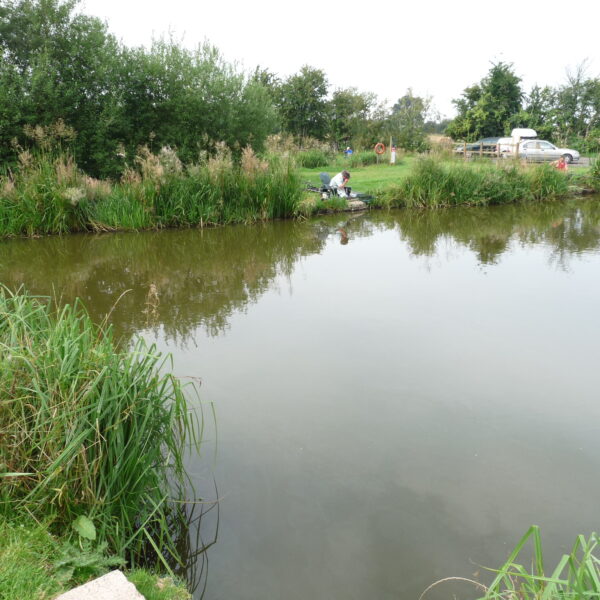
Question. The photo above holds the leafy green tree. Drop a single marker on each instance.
(407, 122)
(303, 103)
(540, 111)
(489, 108)
(64, 63)
(190, 99)
(348, 114)
(577, 107)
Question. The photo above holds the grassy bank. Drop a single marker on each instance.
(93, 437)
(48, 194)
(433, 183)
(38, 565)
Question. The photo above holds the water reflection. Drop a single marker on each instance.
(181, 280)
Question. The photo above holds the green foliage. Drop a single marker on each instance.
(302, 103)
(48, 194)
(37, 565)
(489, 108)
(576, 576)
(26, 554)
(595, 174)
(407, 122)
(84, 527)
(362, 159)
(61, 65)
(433, 183)
(57, 65)
(349, 113)
(154, 587)
(311, 159)
(89, 429)
(74, 565)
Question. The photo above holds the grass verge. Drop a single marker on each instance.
(37, 565)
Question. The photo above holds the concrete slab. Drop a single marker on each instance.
(112, 586)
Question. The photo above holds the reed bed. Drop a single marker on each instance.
(436, 183)
(90, 430)
(48, 194)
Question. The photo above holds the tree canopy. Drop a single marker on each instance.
(490, 107)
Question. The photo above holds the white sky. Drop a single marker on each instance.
(435, 47)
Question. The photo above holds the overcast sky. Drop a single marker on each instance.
(437, 48)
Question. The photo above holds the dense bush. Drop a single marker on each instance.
(57, 64)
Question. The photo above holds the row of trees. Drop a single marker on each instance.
(58, 64)
(346, 116)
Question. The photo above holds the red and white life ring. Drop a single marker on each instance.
(379, 148)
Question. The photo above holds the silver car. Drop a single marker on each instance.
(540, 150)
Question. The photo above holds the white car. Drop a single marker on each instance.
(540, 150)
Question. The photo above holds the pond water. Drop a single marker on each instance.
(390, 409)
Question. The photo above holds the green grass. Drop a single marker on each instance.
(433, 183)
(90, 430)
(48, 194)
(576, 576)
(368, 179)
(37, 565)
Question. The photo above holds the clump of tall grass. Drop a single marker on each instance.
(576, 576)
(313, 159)
(364, 158)
(437, 183)
(48, 194)
(88, 429)
(223, 192)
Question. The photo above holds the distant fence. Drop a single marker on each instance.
(492, 149)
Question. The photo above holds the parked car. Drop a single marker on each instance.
(541, 150)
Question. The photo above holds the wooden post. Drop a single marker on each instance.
(465, 151)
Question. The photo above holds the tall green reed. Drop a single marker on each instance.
(50, 195)
(437, 183)
(576, 576)
(90, 430)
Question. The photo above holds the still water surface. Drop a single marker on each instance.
(389, 411)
